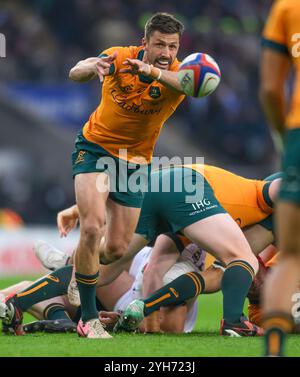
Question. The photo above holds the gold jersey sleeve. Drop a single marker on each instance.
(242, 198)
(282, 34)
(132, 110)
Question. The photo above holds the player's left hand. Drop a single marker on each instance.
(67, 220)
(135, 67)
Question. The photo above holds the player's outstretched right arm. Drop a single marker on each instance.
(90, 68)
(84, 70)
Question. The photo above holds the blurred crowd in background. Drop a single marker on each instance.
(45, 38)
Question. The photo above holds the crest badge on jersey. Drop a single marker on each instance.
(80, 157)
(154, 92)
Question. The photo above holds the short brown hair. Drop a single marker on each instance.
(164, 23)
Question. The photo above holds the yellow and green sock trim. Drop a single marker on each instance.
(236, 282)
(183, 288)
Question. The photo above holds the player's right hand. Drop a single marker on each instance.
(67, 220)
(103, 65)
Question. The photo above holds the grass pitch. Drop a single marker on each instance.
(204, 341)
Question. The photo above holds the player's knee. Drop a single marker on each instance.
(246, 256)
(238, 251)
(91, 231)
(231, 254)
(115, 249)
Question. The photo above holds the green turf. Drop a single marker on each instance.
(205, 341)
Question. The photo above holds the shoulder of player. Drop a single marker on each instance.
(132, 52)
(281, 22)
(123, 51)
(289, 5)
(284, 7)
(283, 4)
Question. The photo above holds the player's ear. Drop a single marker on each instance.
(144, 42)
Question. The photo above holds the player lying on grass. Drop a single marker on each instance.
(245, 200)
(58, 315)
(163, 258)
(210, 224)
(259, 236)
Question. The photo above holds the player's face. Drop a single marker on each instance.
(161, 49)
